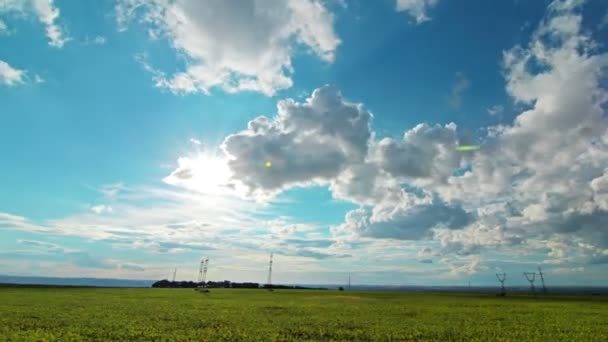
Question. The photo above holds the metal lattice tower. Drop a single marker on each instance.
(531, 276)
(542, 279)
(200, 271)
(205, 265)
(501, 278)
(174, 273)
(269, 281)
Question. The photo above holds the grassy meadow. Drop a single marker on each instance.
(75, 314)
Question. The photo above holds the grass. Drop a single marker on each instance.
(74, 314)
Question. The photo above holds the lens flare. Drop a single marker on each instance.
(468, 148)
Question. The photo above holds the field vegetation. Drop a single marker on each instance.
(75, 314)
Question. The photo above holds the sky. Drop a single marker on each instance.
(139, 136)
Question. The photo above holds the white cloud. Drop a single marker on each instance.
(418, 9)
(547, 166)
(11, 76)
(531, 183)
(47, 14)
(235, 46)
(471, 266)
(460, 85)
(306, 143)
(405, 220)
(102, 209)
(97, 40)
(496, 110)
(3, 28)
(41, 244)
(111, 190)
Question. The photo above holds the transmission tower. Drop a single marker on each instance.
(269, 281)
(531, 276)
(501, 278)
(174, 274)
(200, 271)
(542, 279)
(349, 281)
(205, 265)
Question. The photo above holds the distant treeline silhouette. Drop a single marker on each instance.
(225, 285)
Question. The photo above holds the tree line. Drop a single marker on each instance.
(225, 285)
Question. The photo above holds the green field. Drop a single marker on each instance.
(40, 314)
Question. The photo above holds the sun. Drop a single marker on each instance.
(202, 172)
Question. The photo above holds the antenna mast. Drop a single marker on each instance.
(542, 279)
(530, 276)
(501, 278)
(269, 281)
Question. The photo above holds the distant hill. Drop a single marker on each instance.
(98, 282)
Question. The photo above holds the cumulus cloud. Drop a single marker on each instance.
(549, 165)
(404, 220)
(306, 143)
(418, 9)
(533, 181)
(11, 76)
(537, 185)
(235, 45)
(47, 14)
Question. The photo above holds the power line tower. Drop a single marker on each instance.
(200, 271)
(205, 265)
(531, 276)
(174, 274)
(202, 276)
(542, 279)
(269, 281)
(501, 278)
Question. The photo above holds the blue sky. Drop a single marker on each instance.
(138, 136)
